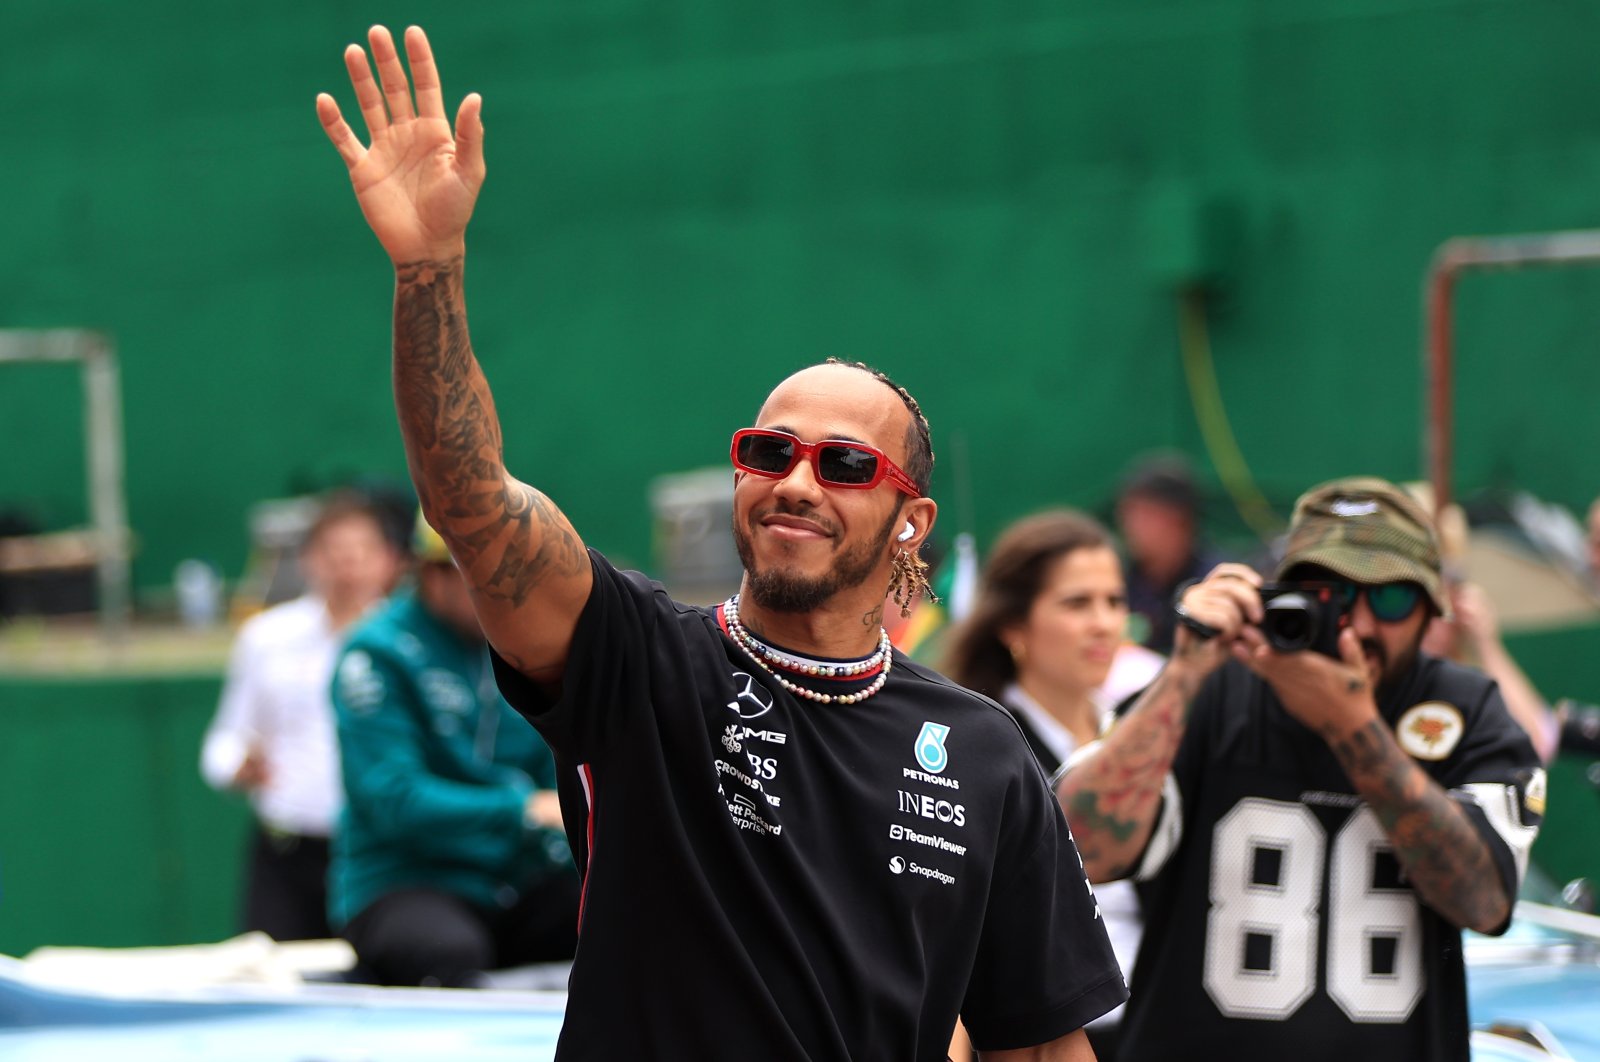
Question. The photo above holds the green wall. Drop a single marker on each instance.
(108, 837)
(687, 200)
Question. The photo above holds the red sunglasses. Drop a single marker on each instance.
(836, 462)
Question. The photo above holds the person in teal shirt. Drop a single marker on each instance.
(450, 858)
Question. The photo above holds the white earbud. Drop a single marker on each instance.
(905, 536)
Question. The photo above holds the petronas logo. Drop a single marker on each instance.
(930, 747)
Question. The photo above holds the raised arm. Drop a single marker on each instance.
(1112, 793)
(417, 182)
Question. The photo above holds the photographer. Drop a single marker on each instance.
(1314, 807)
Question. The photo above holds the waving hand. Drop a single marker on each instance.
(418, 179)
(417, 182)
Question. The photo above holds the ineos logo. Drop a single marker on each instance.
(752, 700)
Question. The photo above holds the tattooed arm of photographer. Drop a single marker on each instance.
(1444, 857)
(1112, 792)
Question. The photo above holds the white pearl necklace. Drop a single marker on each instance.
(769, 659)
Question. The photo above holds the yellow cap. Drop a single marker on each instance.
(427, 544)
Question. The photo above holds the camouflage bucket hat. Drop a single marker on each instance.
(1369, 531)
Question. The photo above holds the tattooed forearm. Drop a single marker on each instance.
(1444, 857)
(1111, 797)
(1100, 836)
(506, 534)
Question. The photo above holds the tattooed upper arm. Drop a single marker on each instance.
(526, 564)
(521, 539)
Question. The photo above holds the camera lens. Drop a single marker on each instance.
(1289, 623)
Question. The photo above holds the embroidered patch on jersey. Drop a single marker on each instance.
(1430, 730)
(930, 747)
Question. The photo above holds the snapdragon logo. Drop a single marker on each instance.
(900, 866)
(932, 874)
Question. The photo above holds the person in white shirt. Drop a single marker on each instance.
(273, 734)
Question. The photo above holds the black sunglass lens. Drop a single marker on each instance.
(847, 464)
(766, 453)
(1393, 601)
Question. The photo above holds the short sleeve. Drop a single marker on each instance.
(1044, 964)
(607, 672)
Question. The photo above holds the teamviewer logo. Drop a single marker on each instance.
(897, 833)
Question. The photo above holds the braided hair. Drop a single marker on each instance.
(909, 579)
(919, 439)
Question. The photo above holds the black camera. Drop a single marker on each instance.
(1297, 616)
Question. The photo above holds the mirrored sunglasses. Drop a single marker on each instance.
(1389, 602)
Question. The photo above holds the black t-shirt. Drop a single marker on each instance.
(769, 877)
(1150, 603)
(1278, 923)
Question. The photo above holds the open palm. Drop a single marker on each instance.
(418, 179)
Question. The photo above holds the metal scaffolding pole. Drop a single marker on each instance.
(102, 428)
(1453, 258)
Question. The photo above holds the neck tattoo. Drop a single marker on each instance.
(770, 660)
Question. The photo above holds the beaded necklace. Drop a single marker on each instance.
(770, 659)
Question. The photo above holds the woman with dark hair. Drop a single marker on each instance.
(1042, 637)
(1040, 640)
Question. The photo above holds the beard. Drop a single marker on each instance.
(1390, 672)
(785, 590)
